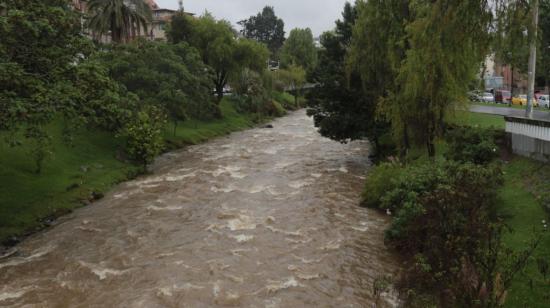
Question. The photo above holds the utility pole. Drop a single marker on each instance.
(532, 57)
(180, 2)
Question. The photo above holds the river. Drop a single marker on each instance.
(259, 218)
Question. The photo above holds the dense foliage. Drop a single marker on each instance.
(143, 134)
(475, 145)
(338, 105)
(40, 44)
(219, 48)
(299, 50)
(266, 28)
(172, 77)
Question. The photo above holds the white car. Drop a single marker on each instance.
(487, 97)
(544, 101)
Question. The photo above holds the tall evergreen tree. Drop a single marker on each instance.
(266, 28)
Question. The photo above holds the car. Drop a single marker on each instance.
(487, 97)
(544, 101)
(474, 96)
(522, 100)
(503, 97)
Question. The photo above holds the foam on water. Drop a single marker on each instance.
(275, 286)
(35, 255)
(13, 294)
(243, 222)
(299, 184)
(164, 208)
(102, 272)
(242, 238)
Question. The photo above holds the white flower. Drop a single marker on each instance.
(543, 222)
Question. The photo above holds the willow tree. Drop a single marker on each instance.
(448, 40)
(123, 19)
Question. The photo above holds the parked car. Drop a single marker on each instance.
(474, 96)
(503, 97)
(522, 100)
(487, 97)
(544, 101)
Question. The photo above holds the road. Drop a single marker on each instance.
(510, 112)
(260, 218)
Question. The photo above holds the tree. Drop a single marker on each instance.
(299, 50)
(180, 28)
(543, 64)
(511, 41)
(294, 77)
(124, 19)
(40, 45)
(448, 40)
(266, 28)
(340, 106)
(172, 77)
(223, 52)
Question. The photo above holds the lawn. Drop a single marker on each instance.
(479, 119)
(524, 214)
(73, 172)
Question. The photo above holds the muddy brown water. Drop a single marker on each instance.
(260, 218)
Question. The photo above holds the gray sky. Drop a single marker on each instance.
(319, 15)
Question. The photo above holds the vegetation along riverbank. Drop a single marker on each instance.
(107, 110)
(468, 217)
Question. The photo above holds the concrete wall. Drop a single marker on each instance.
(529, 138)
(531, 147)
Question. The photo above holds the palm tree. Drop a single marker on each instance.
(124, 19)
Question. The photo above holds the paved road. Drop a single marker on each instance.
(510, 112)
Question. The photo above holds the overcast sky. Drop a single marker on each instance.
(319, 15)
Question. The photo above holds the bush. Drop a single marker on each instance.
(443, 212)
(467, 144)
(143, 135)
(381, 179)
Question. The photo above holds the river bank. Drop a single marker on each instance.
(81, 172)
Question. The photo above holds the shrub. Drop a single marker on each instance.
(381, 179)
(143, 135)
(468, 144)
(444, 210)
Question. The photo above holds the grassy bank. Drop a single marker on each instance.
(77, 173)
(522, 201)
(520, 205)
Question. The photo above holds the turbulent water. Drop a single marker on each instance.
(261, 218)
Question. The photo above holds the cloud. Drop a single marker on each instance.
(319, 15)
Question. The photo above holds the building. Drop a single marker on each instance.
(155, 30)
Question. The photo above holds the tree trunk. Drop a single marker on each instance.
(220, 81)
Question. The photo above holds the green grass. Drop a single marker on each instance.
(520, 205)
(74, 171)
(509, 106)
(27, 197)
(524, 214)
(479, 119)
(194, 131)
